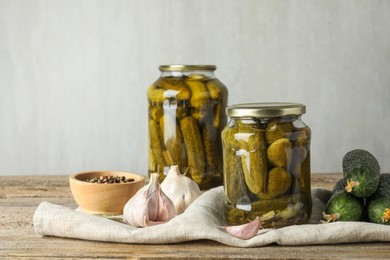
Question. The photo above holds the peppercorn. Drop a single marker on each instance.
(110, 179)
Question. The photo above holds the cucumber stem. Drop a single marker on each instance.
(330, 217)
(386, 215)
(351, 184)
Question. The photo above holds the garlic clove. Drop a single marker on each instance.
(180, 189)
(149, 206)
(138, 201)
(245, 231)
(166, 208)
(180, 205)
(152, 201)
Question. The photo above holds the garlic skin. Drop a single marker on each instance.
(180, 189)
(245, 231)
(149, 206)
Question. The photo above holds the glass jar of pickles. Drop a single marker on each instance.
(186, 117)
(266, 150)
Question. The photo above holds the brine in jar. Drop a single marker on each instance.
(186, 117)
(266, 150)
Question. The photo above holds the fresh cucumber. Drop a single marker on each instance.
(383, 189)
(361, 173)
(340, 186)
(379, 210)
(342, 206)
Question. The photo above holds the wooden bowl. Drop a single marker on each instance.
(104, 199)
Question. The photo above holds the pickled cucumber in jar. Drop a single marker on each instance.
(186, 118)
(266, 150)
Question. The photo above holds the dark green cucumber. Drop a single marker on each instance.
(383, 189)
(342, 206)
(361, 173)
(339, 186)
(379, 210)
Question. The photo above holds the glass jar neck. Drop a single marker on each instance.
(196, 74)
(255, 120)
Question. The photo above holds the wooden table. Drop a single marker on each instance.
(20, 196)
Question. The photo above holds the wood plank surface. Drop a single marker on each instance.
(19, 197)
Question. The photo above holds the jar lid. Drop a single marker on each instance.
(265, 110)
(186, 67)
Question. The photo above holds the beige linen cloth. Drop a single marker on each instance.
(203, 220)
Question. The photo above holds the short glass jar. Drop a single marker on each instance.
(266, 150)
(186, 117)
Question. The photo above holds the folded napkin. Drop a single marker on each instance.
(203, 220)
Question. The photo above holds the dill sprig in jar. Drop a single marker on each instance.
(266, 150)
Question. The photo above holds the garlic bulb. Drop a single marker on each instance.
(149, 206)
(245, 231)
(180, 189)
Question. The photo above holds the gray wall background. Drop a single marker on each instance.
(74, 74)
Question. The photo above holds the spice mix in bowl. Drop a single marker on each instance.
(104, 192)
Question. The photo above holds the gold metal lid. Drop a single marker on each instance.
(265, 110)
(178, 67)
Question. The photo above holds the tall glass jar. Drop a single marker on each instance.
(266, 149)
(186, 117)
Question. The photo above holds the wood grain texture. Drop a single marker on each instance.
(19, 197)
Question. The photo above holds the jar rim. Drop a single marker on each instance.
(181, 67)
(265, 110)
